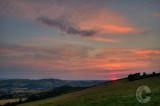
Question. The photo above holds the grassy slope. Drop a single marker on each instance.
(120, 92)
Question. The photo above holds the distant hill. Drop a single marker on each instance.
(20, 85)
(117, 93)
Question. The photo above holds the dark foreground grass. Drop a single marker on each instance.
(117, 93)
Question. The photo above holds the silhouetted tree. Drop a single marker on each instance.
(144, 74)
(153, 73)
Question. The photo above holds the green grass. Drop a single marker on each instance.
(120, 92)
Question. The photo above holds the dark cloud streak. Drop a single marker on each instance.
(68, 28)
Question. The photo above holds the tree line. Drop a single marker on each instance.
(137, 76)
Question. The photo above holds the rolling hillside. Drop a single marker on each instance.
(120, 92)
(26, 85)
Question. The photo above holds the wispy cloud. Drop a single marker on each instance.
(104, 40)
(157, 14)
(156, 51)
(59, 40)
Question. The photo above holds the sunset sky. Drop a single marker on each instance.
(79, 39)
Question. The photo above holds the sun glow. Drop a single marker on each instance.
(114, 78)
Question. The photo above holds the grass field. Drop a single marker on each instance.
(120, 92)
(2, 102)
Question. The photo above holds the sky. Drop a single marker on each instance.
(79, 39)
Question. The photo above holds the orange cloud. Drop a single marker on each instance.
(149, 52)
(104, 40)
(111, 50)
(121, 72)
(108, 22)
(122, 29)
(156, 14)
